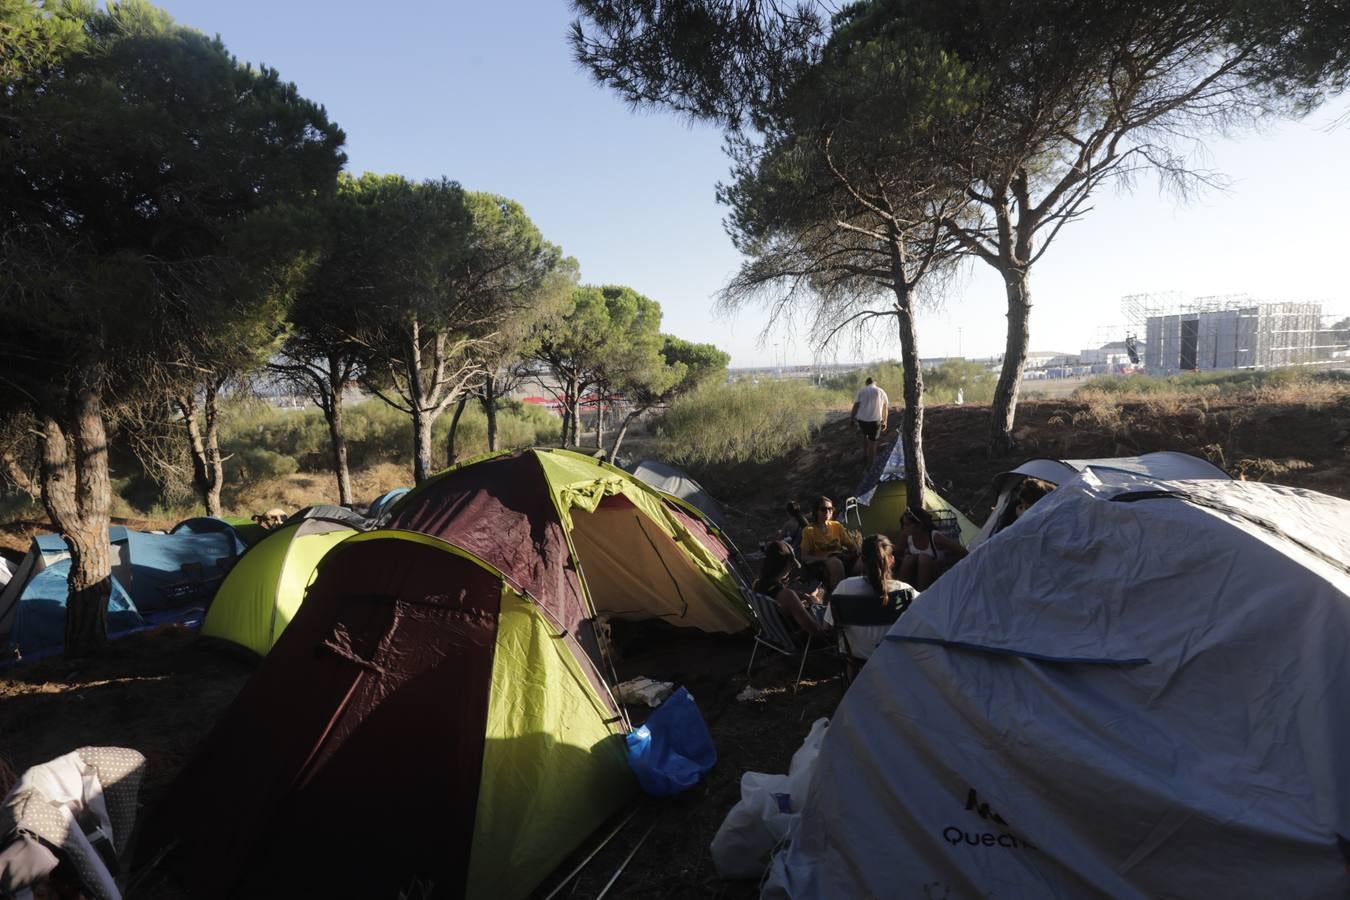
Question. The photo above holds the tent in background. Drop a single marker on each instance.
(212, 525)
(166, 578)
(584, 539)
(259, 597)
(249, 531)
(1165, 465)
(384, 503)
(43, 551)
(882, 498)
(419, 729)
(1133, 691)
(675, 481)
(39, 623)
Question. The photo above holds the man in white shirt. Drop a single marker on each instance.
(870, 409)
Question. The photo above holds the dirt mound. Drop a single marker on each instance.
(1302, 445)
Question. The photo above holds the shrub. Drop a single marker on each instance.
(940, 383)
(257, 464)
(18, 505)
(741, 422)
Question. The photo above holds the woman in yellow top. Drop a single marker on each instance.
(826, 545)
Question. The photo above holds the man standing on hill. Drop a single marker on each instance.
(870, 409)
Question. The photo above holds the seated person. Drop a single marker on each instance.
(780, 564)
(925, 553)
(791, 530)
(1028, 492)
(827, 548)
(864, 607)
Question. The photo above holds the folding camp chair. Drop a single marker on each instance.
(864, 610)
(852, 514)
(775, 632)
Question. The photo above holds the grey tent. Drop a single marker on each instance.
(1168, 465)
(668, 478)
(1133, 691)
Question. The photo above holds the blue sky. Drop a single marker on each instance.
(486, 93)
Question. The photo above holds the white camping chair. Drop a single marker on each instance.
(775, 632)
(79, 808)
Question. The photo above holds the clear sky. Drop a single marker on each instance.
(487, 93)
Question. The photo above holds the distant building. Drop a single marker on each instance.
(1112, 354)
(1042, 359)
(1234, 336)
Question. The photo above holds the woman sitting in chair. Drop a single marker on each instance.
(926, 553)
(863, 608)
(780, 564)
(827, 548)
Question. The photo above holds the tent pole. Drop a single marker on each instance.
(590, 856)
(623, 865)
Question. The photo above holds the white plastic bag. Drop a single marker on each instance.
(642, 690)
(768, 811)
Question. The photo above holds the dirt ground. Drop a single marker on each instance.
(161, 692)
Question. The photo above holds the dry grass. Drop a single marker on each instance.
(292, 492)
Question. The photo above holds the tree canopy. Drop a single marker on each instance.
(1053, 99)
(139, 160)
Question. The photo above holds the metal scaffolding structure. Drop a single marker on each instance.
(1229, 332)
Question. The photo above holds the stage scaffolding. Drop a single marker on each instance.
(1230, 332)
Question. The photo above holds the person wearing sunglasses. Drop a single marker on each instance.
(827, 548)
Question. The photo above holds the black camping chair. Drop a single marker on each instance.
(864, 610)
(776, 633)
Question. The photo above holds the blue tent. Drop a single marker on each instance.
(40, 618)
(167, 571)
(384, 503)
(211, 525)
(157, 578)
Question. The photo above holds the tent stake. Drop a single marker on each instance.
(581, 865)
(623, 865)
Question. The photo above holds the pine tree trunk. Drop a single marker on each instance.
(911, 427)
(451, 454)
(1018, 286)
(421, 445)
(572, 424)
(623, 432)
(90, 590)
(215, 468)
(339, 444)
(490, 410)
(599, 421)
(77, 495)
(333, 410)
(201, 474)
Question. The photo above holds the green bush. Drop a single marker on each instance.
(254, 464)
(940, 383)
(741, 422)
(18, 505)
(265, 442)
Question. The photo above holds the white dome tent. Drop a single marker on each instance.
(1137, 690)
(1165, 465)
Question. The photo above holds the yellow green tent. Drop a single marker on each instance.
(422, 728)
(883, 497)
(259, 597)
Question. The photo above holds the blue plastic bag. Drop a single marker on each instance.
(673, 749)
